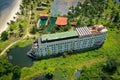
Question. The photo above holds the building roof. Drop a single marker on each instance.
(83, 31)
(73, 23)
(46, 15)
(61, 35)
(61, 21)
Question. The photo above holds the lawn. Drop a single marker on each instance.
(73, 62)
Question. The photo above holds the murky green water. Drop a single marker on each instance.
(18, 56)
(51, 24)
(43, 21)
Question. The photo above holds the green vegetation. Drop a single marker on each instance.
(33, 30)
(8, 71)
(102, 71)
(96, 61)
(24, 43)
(4, 36)
(96, 12)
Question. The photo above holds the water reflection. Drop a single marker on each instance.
(18, 56)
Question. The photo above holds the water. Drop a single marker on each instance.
(51, 24)
(8, 9)
(43, 21)
(5, 7)
(52, 20)
(5, 4)
(61, 7)
(77, 74)
(18, 56)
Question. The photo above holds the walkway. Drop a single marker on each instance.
(9, 47)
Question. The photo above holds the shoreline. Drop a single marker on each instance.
(16, 8)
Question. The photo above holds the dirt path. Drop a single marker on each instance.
(27, 34)
(9, 47)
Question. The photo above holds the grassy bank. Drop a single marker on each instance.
(24, 43)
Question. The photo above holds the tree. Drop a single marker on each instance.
(4, 36)
(16, 73)
(111, 65)
(6, 69)
(64, 55)
(33, 30)
(49, 73)
(20, 28)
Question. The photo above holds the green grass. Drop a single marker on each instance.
(24, 43)
(76, 61)
(3, 44)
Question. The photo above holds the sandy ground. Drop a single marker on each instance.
(9, 15)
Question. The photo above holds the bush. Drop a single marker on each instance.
(33, 30)
(4, 36)
(111, 65)
(49, 73)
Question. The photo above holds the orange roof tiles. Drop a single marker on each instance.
(61, 21)
(44, 15)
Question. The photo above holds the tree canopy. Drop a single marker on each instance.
(102, 71)
(7, 69)
(91, 12)
(4, 36)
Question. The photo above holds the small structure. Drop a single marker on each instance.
(73, 23)
(44, 16)
(44, 4)
(61, 21)
(43, 20)
(39, 8)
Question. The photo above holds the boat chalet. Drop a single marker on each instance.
(79, 39)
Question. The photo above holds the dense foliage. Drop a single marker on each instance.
(33, 30)
(4, 36)
(8, 71)
(107, 71)
(92, 12)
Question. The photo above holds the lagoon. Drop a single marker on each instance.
(18, 56)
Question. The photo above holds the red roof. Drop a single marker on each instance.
(61, 21)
